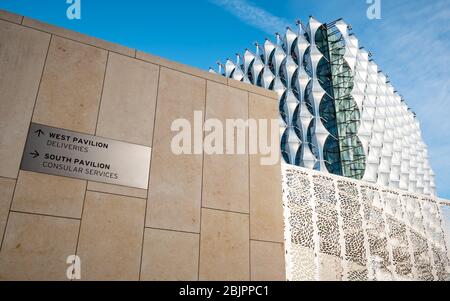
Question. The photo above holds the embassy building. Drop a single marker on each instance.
(90, 188)
(359, 192)
(339, 113)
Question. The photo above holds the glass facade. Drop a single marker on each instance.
(339, 114)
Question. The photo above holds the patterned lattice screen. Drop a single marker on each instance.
(343, 229)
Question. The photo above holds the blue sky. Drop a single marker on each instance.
(411, 43)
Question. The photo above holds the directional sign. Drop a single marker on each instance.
(64, 153)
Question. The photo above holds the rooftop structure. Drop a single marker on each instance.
(339, 112)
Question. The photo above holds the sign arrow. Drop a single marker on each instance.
(35, 154)
(39, 132)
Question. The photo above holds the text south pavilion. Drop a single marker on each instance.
(87, 163)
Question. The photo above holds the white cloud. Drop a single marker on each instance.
(253, 15)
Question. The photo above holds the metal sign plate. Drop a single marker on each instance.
(64, 153)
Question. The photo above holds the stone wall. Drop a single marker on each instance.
(202, 218)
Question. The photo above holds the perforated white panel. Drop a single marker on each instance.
(343, 229)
